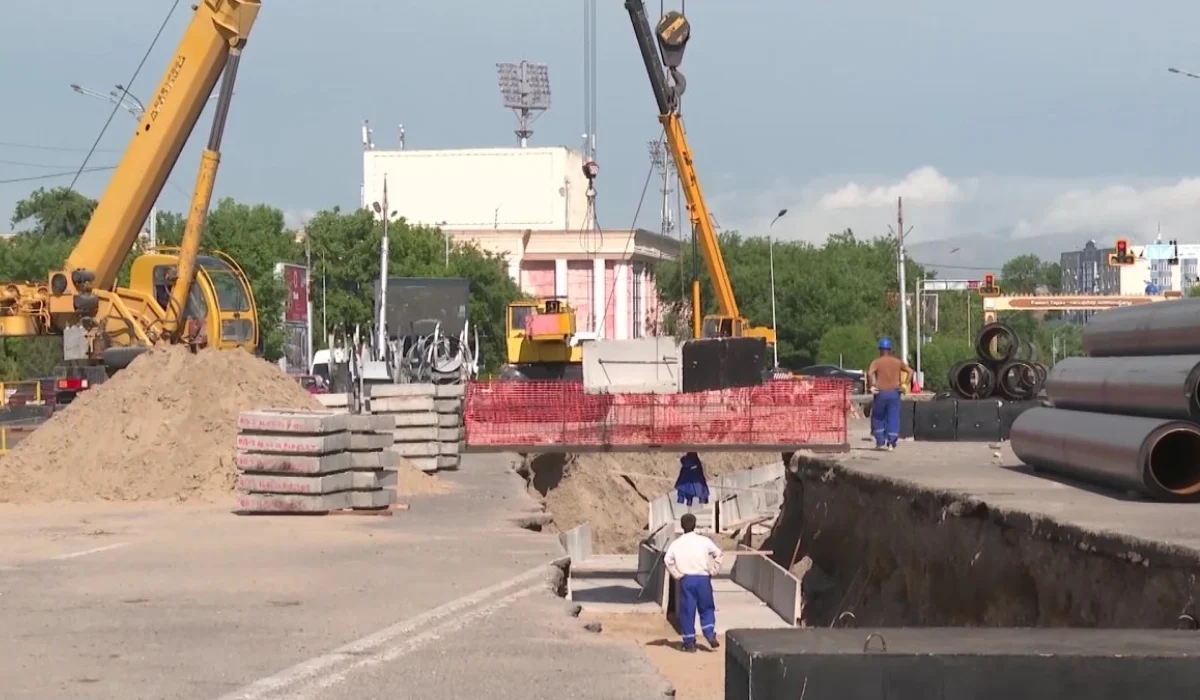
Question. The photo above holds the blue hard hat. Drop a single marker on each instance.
(885, 344)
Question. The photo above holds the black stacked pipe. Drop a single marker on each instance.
(1003, 367)
(1128, 415)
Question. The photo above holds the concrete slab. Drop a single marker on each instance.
(373, 479)
(449, 434)
(372, 499)
(416, 449)
(402, 404)
(370, 442)
(449, 391)
(294, 464)
(413, 420)
(425, 464)
(254, 503)
(447, 461)
(385, 391)
(310, 485)
(293, 444)
(370, 423)
(448, 405)
(286, 421)
(448, 420)
(449, 448)
(415, 434)
(379, 459)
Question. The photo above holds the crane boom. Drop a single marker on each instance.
(217, 27)
(174, 295)
(672, 34)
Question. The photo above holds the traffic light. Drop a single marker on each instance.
(989, 288)
(1122, 257)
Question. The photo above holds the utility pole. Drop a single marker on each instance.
(900, 233)
(382, 208)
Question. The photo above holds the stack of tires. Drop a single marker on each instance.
(1004, 367)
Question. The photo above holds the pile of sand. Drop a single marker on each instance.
(611, 491)
(411, 481)
(163, 428)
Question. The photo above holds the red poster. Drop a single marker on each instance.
(295, 280)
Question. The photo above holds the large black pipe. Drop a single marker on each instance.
(1153, 387)
(1160, 458)
(1160, 328)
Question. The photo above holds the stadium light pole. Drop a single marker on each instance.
(525, 88)
(771, 254)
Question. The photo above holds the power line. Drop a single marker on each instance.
(61, 149)
(117, 105)
(25, 164)
(50, 176)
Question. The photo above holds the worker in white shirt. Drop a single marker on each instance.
(694, 560)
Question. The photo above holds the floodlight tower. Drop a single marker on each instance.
(665, 167)
(526, 90)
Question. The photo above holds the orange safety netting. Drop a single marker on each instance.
(779, 413)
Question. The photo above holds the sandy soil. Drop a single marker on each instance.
(163, 428)
(611, 491)
(698, 676)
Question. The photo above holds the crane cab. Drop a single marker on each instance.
(730, 327)
(220, 308)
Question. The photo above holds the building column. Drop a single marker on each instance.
(598, 298)
(621, 282)
(514, 269)
(560, 278)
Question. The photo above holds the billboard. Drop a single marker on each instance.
(416, 305)
(295, 317)
(295, 281)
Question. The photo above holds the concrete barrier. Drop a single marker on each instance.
(770, 583)
(577, 542)
(427, 421)
(747, 493)
(638, 366)
(667, 510)
(652, 573)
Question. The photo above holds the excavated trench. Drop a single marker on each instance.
(892, 554)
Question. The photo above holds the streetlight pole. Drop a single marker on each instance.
(771, 255)
(900, 233)
(129, 102)
(382, 209)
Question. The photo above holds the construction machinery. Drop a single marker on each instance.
(672, 34)
(175, 295)
(541, 341)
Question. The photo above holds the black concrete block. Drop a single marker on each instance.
(961, 663)
(978, 420)
(935, 421)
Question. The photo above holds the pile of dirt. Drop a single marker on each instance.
(163, 428)
(611, 491)
(411, 481)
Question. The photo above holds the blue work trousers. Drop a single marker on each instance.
(885, 418)
(696, 595)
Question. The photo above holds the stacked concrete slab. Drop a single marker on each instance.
(313, 462)
(448, 401)
(337, 403)
(426, 422)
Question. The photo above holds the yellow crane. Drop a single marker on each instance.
(175, 295)
(672, 34)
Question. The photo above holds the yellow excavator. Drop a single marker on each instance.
(175, 295)
(672, 34)
(541, 342)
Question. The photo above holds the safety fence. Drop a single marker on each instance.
(560, 416)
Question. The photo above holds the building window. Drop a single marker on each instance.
(637, 321)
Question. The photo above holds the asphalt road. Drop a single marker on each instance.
(449, 599)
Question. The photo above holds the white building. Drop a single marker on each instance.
(481, 189)
(529, 205)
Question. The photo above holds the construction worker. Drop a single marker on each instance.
(691, 484)
(693, 559)
(883, 381)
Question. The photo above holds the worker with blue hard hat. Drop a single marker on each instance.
(883, 380)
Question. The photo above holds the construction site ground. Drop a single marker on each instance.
(447, 599)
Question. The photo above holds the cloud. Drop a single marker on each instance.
(984, 216)
(295, 219)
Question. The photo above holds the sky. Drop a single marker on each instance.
(1007, 127)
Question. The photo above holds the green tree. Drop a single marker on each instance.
(57, 213)
(345, 252)
(852, 347)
